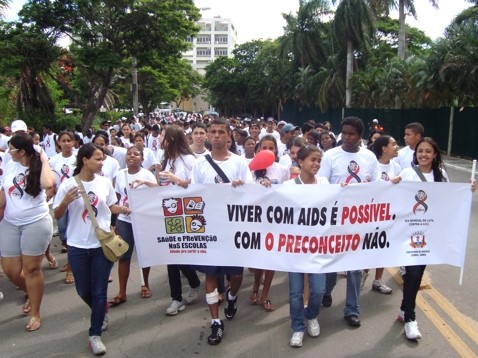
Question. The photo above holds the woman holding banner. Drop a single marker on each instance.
(427, 166)
(308, 158)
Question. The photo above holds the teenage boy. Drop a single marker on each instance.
(413, 134)
(237, 171)
(349, 163)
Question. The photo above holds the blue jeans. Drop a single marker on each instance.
(411, 285)
(91, 270)
(62, 224)
(296, 297)
(354, 279)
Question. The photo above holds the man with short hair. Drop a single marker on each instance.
(346, 164)
(413, 134)
(288, 132)
(255, 130)
(237, 172)
(270, 129)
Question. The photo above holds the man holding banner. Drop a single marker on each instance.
(220, 167)
(349, 164)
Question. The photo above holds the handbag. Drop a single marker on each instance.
(112, 244)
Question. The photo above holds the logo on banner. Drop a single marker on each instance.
(184, 215)
(417, 240)
(420, 207)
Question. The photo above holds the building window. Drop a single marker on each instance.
(221, 26)
(203, 39)
(203, 52)
(220, 52)
(189, 39)
(205, 26)
(220, 39)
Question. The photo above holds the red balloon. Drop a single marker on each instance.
(262, 160)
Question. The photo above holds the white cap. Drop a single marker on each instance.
(19, 125)
(375, 120)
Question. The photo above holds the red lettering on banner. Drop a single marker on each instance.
(363, 214)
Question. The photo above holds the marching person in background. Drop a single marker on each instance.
(274, 174)
(63, 164)
(123, 184)
(413, 134)
(87, 261)
(385, 149)
(26, 225)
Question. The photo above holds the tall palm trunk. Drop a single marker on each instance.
(348, 74)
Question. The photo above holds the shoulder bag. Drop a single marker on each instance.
(112, 244)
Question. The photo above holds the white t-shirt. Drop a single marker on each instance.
(282, 149)
(110, 168)
(126, 142)
(389, 171)
(181, 167)
(240, 150)
(409, 174)
(154, 144)
(286, 161)
(149, 158)
(197, 155)
(63, 167)
(274, 133)
(320, 180)
(119, 153)
(49, 144)
(4, 139)
(339, 166)
(80, 231)
(235, 168)
(405, 157)
(1, 166)
(122, 188)
(277, 174)
(21, 208)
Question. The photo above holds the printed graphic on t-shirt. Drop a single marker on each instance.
(124, 202)
(65, 172)
(94, 202)
(353, 169)
(19, 183)
(385, 176)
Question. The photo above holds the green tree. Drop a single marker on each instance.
(106, 33)
(353, 25)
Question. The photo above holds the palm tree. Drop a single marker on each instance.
(405, 7)
(3, 6)
(353, 25)
(302, 34)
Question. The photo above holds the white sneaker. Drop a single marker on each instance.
(411, 330)
(296, 339)
(401, 316)
(192, 295)
(1, 296)
(364, 279)
(379, 286)
(106, 322)
(97, 345)
(175, 307)
(313, 327)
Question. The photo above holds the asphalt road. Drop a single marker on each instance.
(446, 314)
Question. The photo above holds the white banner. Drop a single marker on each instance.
(303, 228)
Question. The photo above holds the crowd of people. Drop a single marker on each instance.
(68, 168)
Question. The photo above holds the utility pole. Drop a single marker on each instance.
(134, 86)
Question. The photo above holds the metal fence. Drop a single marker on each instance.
(455, 129)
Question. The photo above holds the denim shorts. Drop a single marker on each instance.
(30, 239)
(219, 270)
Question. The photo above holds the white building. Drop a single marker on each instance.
(217, 37)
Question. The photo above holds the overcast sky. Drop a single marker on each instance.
(255, 19)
